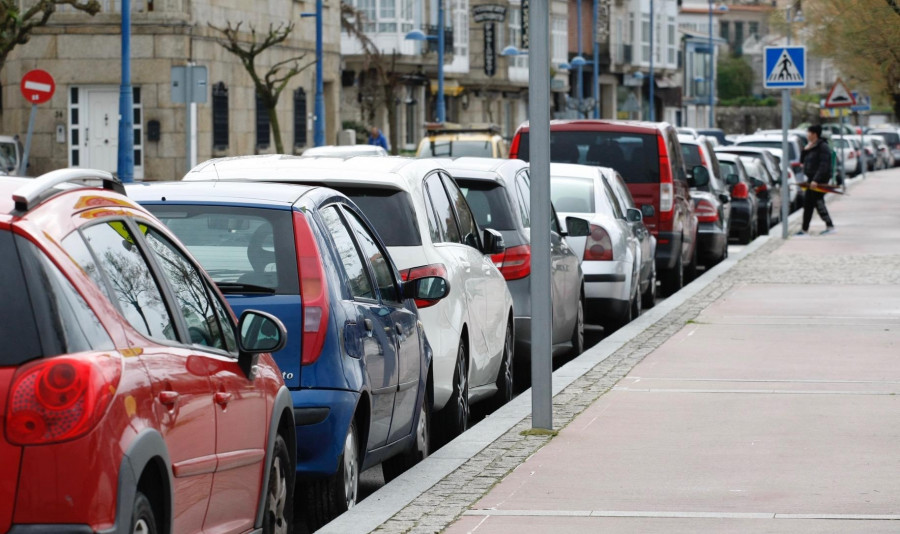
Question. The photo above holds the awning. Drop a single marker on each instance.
(451, 87)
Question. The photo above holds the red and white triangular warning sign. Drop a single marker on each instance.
(839, 96)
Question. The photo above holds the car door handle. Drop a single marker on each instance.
(168, 398)
(369, 325)
(222, 398)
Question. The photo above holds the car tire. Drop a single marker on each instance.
(745, 236)
(690, 272)
(143, 521)
(420, 447)
(329, 497)
(454, 418)
(623, 319)
(578, 331)
(765, 224)
(648, 298)
(279, 504)
(636, 306)
(673, 279)
(506, 374)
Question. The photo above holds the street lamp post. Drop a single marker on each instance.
(419, 35)
(652, 83)
(319, 109)
(595, 79)
(579, 91)
(709, 76)
(125, 160)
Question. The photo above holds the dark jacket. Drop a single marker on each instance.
(817, 162)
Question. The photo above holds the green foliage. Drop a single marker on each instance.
(18, 21)
(749, 101)
(735, 78)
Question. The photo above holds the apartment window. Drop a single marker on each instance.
(754, 29)
(460, 14)
(657, 40)
(515, 36)
(738, 38)
(262, 125)
(670, 49)
(300, 118)
(386, 16)
(724, 30)
(645, 38)
(220, 116)
(369, 11)
(560, 37)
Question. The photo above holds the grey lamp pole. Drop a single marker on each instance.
(579, 92)
(418, 35)
(652, 103)
(785, 125)
(711, 79)
(125, 160)
(595, 81)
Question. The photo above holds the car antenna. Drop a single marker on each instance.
(216, 171)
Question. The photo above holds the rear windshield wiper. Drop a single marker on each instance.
(237, 287)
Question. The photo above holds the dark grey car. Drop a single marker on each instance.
(498, 192)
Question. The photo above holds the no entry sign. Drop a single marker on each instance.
(37, 86)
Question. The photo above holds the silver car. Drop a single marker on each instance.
(498, 192)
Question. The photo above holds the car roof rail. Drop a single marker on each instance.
(28, 195)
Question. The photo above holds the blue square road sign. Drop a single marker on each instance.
(784, 67)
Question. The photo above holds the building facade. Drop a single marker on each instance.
(79, 126)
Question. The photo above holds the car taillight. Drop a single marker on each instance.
(598, 245)
(706, 212)
(514, 147)
(762, 188)
(313, 291)
(795, 166)
(514, 263)
(666, 183)
(61, 398)
(435, 269)
(740, 191)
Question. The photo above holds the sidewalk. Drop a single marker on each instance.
(765, 402)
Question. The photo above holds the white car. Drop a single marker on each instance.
(611, 253)
(423, 218)
(343, 151)
(846, 154)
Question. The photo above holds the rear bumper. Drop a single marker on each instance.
(668, 247)
(606, 280)
(322, 417)
(741, 215)
(51, 529)
(603, 310)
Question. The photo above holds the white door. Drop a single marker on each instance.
(102, 134)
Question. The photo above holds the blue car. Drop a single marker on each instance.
(356, 361)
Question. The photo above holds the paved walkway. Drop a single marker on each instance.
(766, 402)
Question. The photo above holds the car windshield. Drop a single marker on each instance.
(840, 143)
(455, 149)
(237, 245)
(729, 167)
(390, 212)
(489, 203)
(771, 144)
(8, 160)
(572, 195)
(891, 138)
(691, 154)
(634, 155)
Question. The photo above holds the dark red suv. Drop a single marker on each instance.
(130, 398)
(648, 156)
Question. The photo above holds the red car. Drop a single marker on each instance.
(130, 398)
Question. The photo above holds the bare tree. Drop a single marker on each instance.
(270, 84)
(17, 23)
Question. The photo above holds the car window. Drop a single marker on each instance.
(447, 148)
(691, 154)
(132, 285)
(523, 197)
(237, 245)
(489, 203)
(572, 195)
(191, 293)
(622, 192)
(391, 213)
(610, 197)
(442, 209)
(714, 161)
(384, 273)
(434, 227)
(467, 227)
(354, 266)
(634, 155)
(771, 144)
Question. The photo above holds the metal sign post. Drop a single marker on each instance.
(785, 68)
(839, 97)
(188, 87)
(539, 147)
(37, 87)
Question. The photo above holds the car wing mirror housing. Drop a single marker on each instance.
(258, 332)
(427, 290)
(493, 241)
(732, 179)
(724, 198)
(699, 176)
(577, 227)
(634, 215)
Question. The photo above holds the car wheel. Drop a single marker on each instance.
(455, 415)
(648, 298)
(418, 450)
(765, 224)
(506, 374)
(690, 272)
(142, 519)
(278, 518)
(636, 305)
(329, 497)
(745, 236)
(673, 279)
(578, 332)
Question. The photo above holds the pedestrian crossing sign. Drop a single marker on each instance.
(785, 67)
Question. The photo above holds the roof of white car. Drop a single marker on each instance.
(573, 170)
(344, 151)
(382, 171)
(763, 137)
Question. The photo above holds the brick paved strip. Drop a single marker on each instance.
(484, 455)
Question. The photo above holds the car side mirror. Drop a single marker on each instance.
(724, 198)
(258, 332)
(633, 215)
(577, 227)
(647, 210)
(493, 241)
(428, 289)
(732, 179)
(699, 176)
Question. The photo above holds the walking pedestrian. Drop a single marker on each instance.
(816, 158)
(377, 138)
